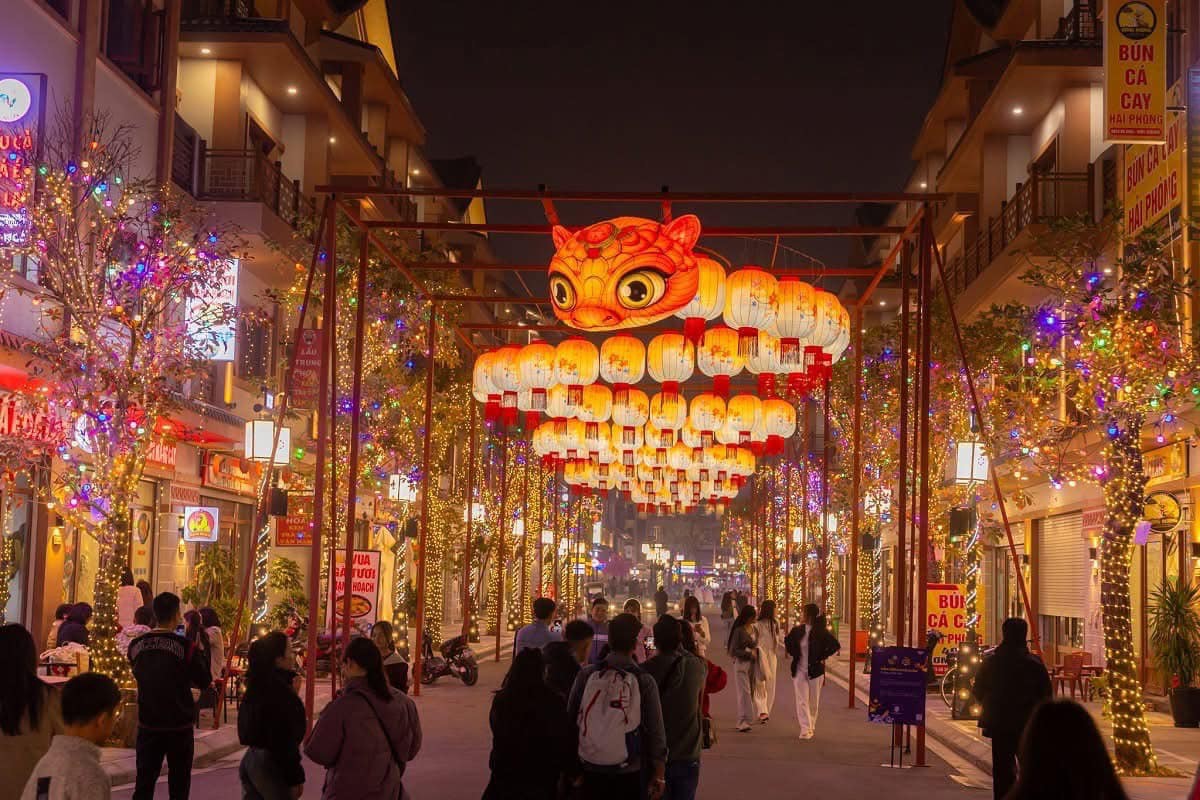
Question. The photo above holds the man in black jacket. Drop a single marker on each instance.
(166, 667)
(1011, 683)
(661, 601)
(564, 659)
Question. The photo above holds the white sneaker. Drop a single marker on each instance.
(742, 727)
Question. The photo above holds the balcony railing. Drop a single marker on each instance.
(247, 16)
(244, 175)
(1081, 24)
(1043, 198)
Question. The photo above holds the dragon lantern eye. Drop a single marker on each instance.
(641, 288)
(562, 292)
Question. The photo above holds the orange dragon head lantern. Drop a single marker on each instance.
(623, 272)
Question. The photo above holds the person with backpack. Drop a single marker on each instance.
(533, 740)
(166, 667)
(271, 723)
(681, 677)
(616, 708)
(809, 645)
(368, 734)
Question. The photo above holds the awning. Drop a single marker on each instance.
(170, 426)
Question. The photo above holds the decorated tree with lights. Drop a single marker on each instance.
(1106, 355)
(127, 272)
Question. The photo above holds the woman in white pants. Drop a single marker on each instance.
(809, 645)
(743, 649)
(768, 647)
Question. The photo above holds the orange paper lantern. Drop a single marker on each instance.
(718, 357)
(749, 292)
(709, 302)
(535, 366)
(576, 364)
(670, 360)
(622, 364)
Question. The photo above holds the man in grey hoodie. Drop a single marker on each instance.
(71, 769)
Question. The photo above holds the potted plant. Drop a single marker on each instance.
(1175, 639)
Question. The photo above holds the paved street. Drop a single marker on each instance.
(842, 761)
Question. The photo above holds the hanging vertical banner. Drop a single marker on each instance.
(306, 369)
(1193, 145)
(295, 530)
(1135, 71)
(22, 111)
(1154, 175)
(947, 612)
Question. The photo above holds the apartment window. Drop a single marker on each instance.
(256, 330)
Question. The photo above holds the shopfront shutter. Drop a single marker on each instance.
(1063, 566)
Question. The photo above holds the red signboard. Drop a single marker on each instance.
(295, 530)
(162, 455)
(306, 369)
(22, 421)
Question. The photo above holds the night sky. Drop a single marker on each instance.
(757, 95)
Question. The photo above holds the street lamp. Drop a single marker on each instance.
(970, 463)
(260, 436)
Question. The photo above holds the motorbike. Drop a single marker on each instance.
(456, 659)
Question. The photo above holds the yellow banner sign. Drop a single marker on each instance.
(1135, 71)
(946, 608)
(1154, 173)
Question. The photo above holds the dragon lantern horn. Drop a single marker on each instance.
(560, 235)
(685, 230)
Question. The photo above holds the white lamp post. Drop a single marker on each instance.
(260, 435)
(970, 463)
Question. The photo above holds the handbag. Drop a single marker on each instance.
(708, 733)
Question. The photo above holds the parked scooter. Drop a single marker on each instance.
(456, 659)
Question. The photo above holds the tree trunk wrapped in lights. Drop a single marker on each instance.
(1124, 484)
(1105, 354)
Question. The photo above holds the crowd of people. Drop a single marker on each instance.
(50, 737)
(591, 707)
(609, 708)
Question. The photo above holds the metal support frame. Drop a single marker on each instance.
(345, 199)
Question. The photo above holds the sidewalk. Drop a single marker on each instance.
(214, 745)
(1176, 747)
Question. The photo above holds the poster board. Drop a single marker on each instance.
(946, 612)
(897, 692)
(364, 588)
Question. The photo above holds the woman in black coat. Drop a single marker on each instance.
(533, 740)
(271, 723)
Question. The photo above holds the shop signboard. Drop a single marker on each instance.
(20, 420)
(232, 475)
(897, 692)
(201, 524)
(207, 316)
(162, 455)
(1163, 511)
(1154, 174)
(295, 530)
(139, 553)
(1135, 71)
(946, 610)
(1165, 464)
(364, 588)
(22, 117)
(306, 369)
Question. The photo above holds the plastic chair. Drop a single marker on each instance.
(1071, 674)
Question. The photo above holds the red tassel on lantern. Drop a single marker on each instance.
(531, 420)
(774, 445)
(789, 351)
(537, 399)
(798, 384)
(706, 438)
(491, 409)
(620, 394)
(757, 449)
(693, 329)
(574, 394)
(748, 341)
(721, 386)
(670, 396)
(766, 385)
